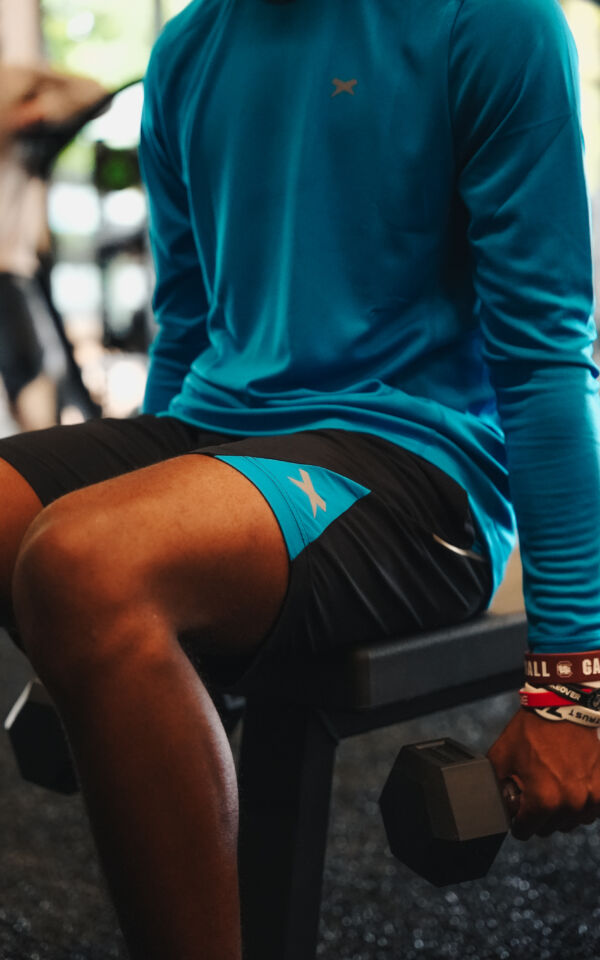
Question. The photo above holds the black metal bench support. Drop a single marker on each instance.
(285, 776)
(293, 721)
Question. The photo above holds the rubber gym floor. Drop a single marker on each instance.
(541, 899)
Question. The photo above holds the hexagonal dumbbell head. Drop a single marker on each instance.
(443, 811)
(39, 742)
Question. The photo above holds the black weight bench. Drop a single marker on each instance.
(293, 722)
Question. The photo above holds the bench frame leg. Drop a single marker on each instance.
(285, 776)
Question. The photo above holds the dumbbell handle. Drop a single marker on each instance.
(511, 794)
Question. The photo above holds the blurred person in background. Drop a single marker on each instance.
(40, 110)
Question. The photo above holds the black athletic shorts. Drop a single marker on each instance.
(381, 543)
(21, 357)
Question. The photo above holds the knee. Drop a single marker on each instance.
(66, 592)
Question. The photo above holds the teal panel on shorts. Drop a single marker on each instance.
(305, 499)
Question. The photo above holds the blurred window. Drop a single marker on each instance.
(106, 39)
(171, 7)
(584, 20)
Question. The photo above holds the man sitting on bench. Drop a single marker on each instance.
(374, 290)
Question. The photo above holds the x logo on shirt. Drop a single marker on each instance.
(343, 86)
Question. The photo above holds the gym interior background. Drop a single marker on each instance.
(101, 278)
(542, 898)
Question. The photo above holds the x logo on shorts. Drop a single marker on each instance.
(306, 485)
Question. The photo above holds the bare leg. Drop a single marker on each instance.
(18, 507)
(160, 787)
(106, 579)
(35, 406)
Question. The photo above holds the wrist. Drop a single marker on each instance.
(572, 702)
(563, 687)
(579, 667)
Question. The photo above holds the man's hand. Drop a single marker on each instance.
(557, 767)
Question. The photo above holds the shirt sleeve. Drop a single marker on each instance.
(514, 101)
(180, 301)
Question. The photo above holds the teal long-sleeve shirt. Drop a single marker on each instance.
(373, 216)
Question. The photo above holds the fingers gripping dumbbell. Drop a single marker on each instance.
(444, 811)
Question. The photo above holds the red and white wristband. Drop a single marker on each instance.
(576, 703)
(563, 687)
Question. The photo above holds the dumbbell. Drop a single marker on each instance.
(40, 745)
(39, 742)
(444, 812)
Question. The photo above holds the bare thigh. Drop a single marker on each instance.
(19, 506)
(191, 539)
